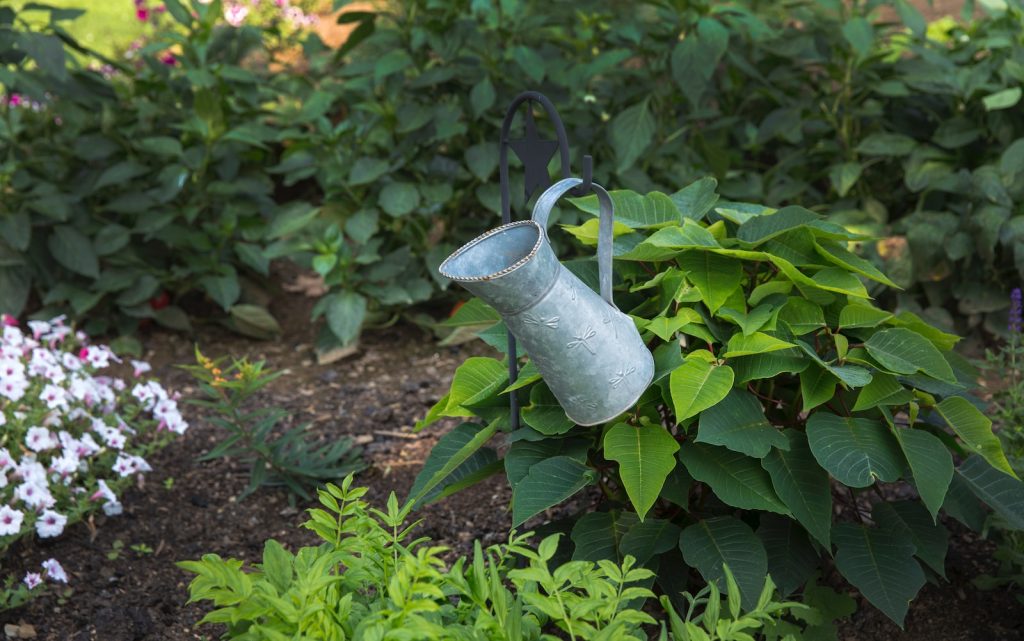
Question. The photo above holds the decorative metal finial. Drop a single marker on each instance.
(535, 153)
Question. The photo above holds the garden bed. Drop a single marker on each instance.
(376, 395)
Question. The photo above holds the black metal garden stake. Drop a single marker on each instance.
(535, 153)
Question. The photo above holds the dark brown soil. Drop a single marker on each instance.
(377, 394)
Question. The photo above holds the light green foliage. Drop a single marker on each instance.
(775, 380)
(371, 579)
(711, 616)
(287, 458)
(1004, 365)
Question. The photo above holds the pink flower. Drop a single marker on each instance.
(142, 14)
(15, 100)
(33, 580)
(8, 320)
(169, 59)
(235, 14)
(83, 353)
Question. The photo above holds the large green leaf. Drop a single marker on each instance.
(635, 210)
(399, 198)
(598, 535)
(522, 455)
(756, 343)
(696, 199)
(697, 385)
(802, 485)
(837, 254)
(738, 423)
(715, 276)
(817, 386)
(73, 250)
(855, 451)
(880, 565)
(631, 132)
(884, 389)
(762, 228)
(345, 314)
(738, 480)
(460, 453)
(1002, 493)
(792, 559)
(930, 463)
(648, 538)
(544, 414)
(449, 455)
(475, 380)
(909, 520)
(646, 456)
(709, 544)
(547, 484)
(802, 316)
(975, 429)
(904, 351)
(224, 290)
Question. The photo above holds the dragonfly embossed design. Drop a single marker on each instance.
(582, 401)
(621, 376)
(550, 323)
(607, 318)
(584, 340)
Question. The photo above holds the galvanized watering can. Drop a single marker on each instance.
(589, 353)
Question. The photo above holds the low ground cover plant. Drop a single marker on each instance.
(277, 455)
(370, 578)
(71, 436)
(1004, 370)
(783, 408)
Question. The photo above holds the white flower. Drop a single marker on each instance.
(54, 397)
(235, 14)
(32, 580)
(55, 571)
(3, 419)
(50, 524)
(126, 465)
(6, 462)
(111, 506)
(140, 368)
(10, 520)
(39, 439)
(38, 328)
(13, 388)
(34, 495)
(31, 471)
(176, 424)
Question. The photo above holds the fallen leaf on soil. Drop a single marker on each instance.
(336, 354)
(311, 285)
(19, 631)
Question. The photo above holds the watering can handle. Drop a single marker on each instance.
(542, 210)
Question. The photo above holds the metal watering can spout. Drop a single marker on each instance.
(590, 354)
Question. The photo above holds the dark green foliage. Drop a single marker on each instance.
(277, 456)
(777, 380)
(136, 183)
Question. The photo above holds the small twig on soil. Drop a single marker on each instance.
(405, 435)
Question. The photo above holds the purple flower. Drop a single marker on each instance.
(1015, 320)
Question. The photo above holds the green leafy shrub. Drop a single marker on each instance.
(288, 459)
(904, 128)
(370, 579)
(781, 393)
(128, 186)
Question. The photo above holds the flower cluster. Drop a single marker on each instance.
(236, 12)
(70, 438)
(23, 102)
